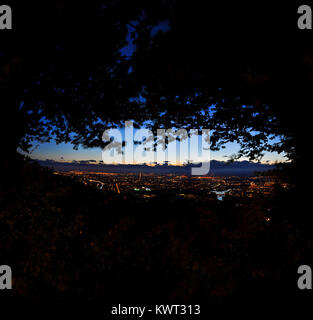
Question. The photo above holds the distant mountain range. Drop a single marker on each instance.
(218, 168)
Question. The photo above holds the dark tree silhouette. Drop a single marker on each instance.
(243, 71)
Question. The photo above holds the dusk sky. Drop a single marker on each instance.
(65, 152)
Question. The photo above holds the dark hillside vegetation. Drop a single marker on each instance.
(66, 241)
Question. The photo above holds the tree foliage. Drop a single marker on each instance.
(243, 71)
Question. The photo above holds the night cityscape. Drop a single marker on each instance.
(155, 159)
(201, 188)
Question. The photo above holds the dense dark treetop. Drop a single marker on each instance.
(245, 71)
